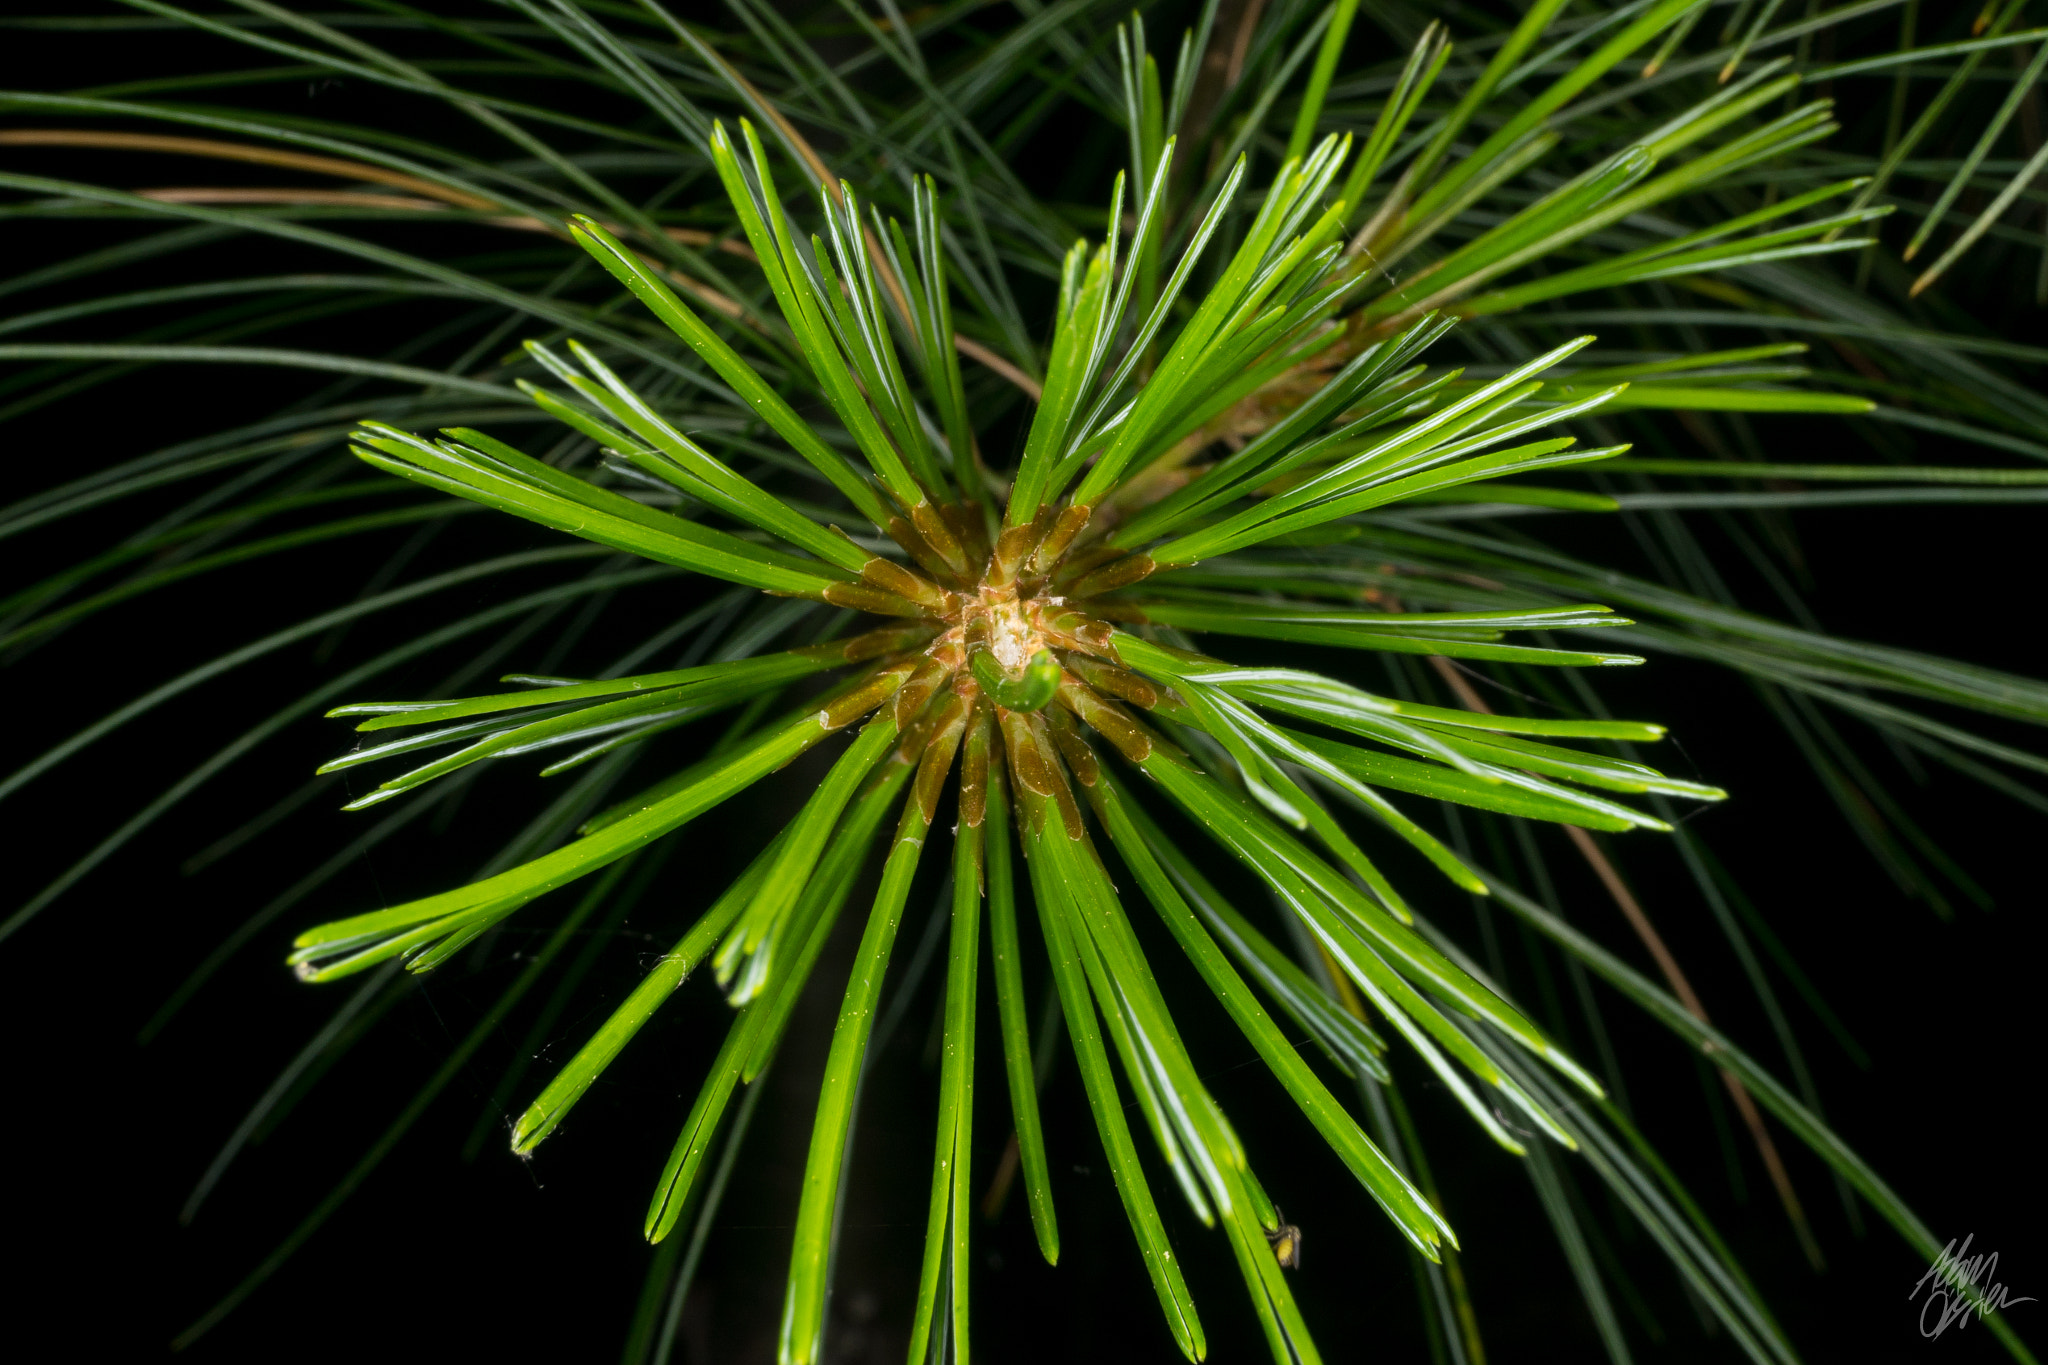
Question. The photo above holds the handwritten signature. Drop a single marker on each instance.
(1959, 1284)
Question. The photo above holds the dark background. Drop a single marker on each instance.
(489, 1256)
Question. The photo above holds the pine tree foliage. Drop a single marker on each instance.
(1014, 496)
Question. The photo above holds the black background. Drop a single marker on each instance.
(493, 1257)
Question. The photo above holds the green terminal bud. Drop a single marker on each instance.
(1030, 692)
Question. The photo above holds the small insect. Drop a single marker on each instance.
(1286, 1242)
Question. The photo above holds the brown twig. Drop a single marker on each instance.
(810, 157)
(237, 194)
(973, 350)
(231, 194)
(238, 151)
(259, 194)
(1241, 42)
(1675, 977)
(435, 198)
(999, 1188)
(1221, 65)
(982, 355)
